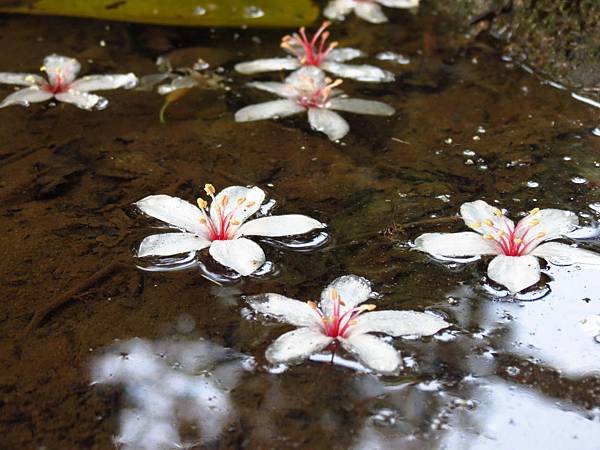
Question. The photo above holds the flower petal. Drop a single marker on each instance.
(295, 346)
(478, 215)
(338, 9)
(147, 82)
(171, 244)
(400, 3)
(398, 323)
(174, 211)
(360, 106)
(306, 78)
(26, 96)
(373, 352)
(21, 79)
(268, 110)
(344, 54)
(82, 100)
(328, 122)
(104, 82)
(242, 255)
(371, 12)
(278, 226)
(565, 254)
(179, 82)
(60, 69)
(363, 72)
(274, 87)
(238, 202)
(285, 309)
(514, 272)
(267, 65)
(353, 290)
(451, 245)
(553, 223)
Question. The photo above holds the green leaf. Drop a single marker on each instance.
(214, 13)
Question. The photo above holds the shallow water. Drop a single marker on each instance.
(469, 125)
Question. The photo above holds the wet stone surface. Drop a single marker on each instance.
(468, 126)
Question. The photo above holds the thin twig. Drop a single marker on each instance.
(41, 314)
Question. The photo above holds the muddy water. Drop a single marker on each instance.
(469, 125)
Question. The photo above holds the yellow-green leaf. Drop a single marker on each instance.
(214, 13)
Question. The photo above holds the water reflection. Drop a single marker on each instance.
(176, 390)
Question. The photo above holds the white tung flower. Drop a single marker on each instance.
(368, 10)
(63, 85)
(222, 228)
(317, 53)
(517, 247)
(308, 89)
(342, 317)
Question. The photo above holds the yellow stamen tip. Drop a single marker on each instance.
(534, 211)
(540, 235)
(234, 222)
(368, 307)
(488, 237)
(534, 222)
(209, 189)
(250, 204)
(224, 200)
(202, 204)
(518, 241)
(476, 225)
(313, 305)
(497, 212)
(488, 222)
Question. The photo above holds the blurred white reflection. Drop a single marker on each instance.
(173, 388)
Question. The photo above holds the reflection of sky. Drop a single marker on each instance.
(553, 329)
(170, 385)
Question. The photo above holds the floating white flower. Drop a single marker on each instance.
(368, 10)
(317, 53)
(308, 89)
(63, 85)
(342, 317)
(516, 247)
(222, 228)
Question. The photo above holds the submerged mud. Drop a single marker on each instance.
(468, 126)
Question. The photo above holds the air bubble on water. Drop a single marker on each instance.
(102, 104)
(579, 180)
(386, 417)
(448, 141)
(278, 369)
(199, 11)
(476, 138)
(483, 167)
(567, 158)
(469, 162)
(253, 12)
(481, 130)
(513, 371)
(445, 198)
(469, 152)
(533, 184)
(596, 131)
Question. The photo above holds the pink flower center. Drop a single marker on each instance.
(58, 86)
(311, 95)
(221, 224)
(512, 240)
(310, 52)
(337, 324)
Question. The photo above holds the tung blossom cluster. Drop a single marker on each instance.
(62, 85)
(516, 247)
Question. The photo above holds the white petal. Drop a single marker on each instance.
(363, 72)
(147, 82)
(344, 54)
(399, 3)
(277, 226)
(180, 82)
(274, 87)
(515, 272)
(306, 78)
(553, 223)
(359, 106)
(267, 65)
(352, 289)
(171, 244)
(174, 211)
(268, 110)
(373, 352)
(21, 79)
(26, 96)
(82, 100)
(285, 309)
(295, 346)
(328, 122)
(241, 255)
(338, 9)
(371, 12)
(241, 203)
(451, 245)
(477, 213)
(566, 254)
(398, 323)
(104, 82)
(60, 69)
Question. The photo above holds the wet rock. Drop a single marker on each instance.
(560, 40)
